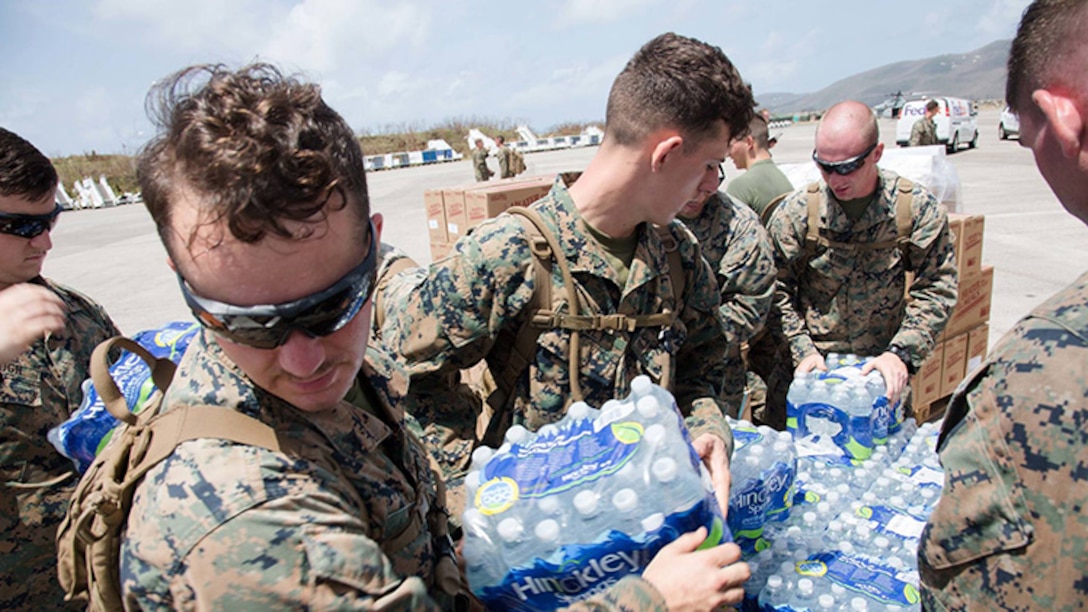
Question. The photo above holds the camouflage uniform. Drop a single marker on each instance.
(479, 164)
(503, 155)
(736, 245)
(219, 525)
(39, 390)
(923, 132)
(391, 262)
(1011, 528)
(854, 302)
(472, 304)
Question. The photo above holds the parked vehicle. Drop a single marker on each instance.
(956, 119)
(1009, 125)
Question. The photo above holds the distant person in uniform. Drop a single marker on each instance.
(762, 181)
(47, 334)
(479, 162)
(502, 154)
(1010, 530)
(924, 130)
(842, 287)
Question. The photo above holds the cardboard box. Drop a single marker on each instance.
(436, 215)
(453, 202)
(967, 231)
(977, 346)
(487, 202)
(440, 250)
(932, 411)
(973, 305)
(926, 384)
(953, 364)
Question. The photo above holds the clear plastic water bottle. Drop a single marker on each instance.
(804, 596)
(774, 592)
(484, 564)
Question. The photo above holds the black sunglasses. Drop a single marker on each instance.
(845, 166)
(28, 226)
(721, 174)
(268, 326)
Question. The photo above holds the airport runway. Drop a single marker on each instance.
(114, 254)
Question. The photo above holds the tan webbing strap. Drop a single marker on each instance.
(162, 372)
(765, 216)
(904, 225)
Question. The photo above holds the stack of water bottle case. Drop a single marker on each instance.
(827, 514)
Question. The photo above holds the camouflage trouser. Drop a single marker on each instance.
(28, 551)
(769, 359)
(733, 392)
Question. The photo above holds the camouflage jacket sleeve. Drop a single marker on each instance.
(699, 367)
(503, 155)
(933, 292)
(1009, 531)
(787, 233)
(746, 274)
(917, 131)
(449, 322)
(630, 593)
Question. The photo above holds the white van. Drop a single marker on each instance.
(956, 119)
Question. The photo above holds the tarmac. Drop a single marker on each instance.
(114, 254)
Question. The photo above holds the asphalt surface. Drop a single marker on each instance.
(114, 255)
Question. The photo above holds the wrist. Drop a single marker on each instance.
(904, 355)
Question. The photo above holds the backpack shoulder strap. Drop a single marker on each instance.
(904, 219)
(765, 216)
(812, 236)
(676, 263)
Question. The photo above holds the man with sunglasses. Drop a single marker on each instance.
(842, 283)
(47, 333)
(1010, 531)
(737, 247)
(258, 192)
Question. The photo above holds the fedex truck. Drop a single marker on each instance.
(956, 119)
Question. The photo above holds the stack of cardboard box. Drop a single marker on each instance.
(453, 211)
(963, 345)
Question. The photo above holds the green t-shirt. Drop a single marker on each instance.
(619, 251)
(760, 184)
(855, 208)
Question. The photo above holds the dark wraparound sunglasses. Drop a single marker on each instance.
(268, 326)
(845, 166)
(28, 226)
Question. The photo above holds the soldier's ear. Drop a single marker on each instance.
(663, 149)
(1063, 119)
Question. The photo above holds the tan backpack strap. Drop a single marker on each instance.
(573, 304)
(904, 219)
(162, 372)
(812, 236)
(765, 216)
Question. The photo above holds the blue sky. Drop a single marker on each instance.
(74, 73)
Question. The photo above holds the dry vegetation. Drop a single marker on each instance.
(120, 170)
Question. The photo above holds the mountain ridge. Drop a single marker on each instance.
(976, 75)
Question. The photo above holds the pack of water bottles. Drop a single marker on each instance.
(763, 472)
(851, 538)
(839, 412)
(563, 513)
(88, 430)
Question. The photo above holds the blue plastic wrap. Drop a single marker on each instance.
(88, 430)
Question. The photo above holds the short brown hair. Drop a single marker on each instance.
(932, 105)
(24, 170)
(677, 82)
(263, 147)
(1050, 34)
(760, 132)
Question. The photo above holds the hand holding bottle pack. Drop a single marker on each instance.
(556, 516)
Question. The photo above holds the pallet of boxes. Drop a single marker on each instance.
(453, 211)
(963, 345)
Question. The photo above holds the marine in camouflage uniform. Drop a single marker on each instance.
(923, 132)
(471, 305)
(1015, 458)
(737, 247)
(1010, 530)
(479, 163)
(502, 154)
(38, 391)
(854, 302)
